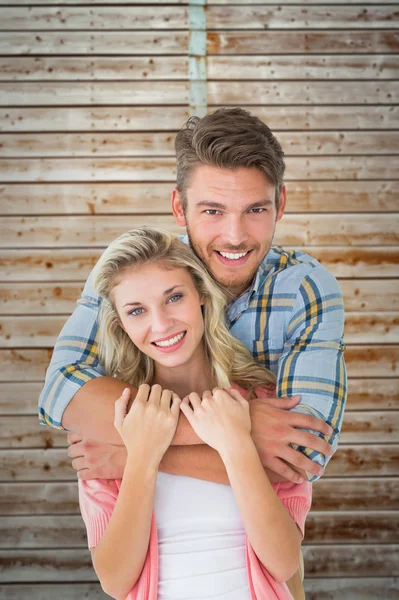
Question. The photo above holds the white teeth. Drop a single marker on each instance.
(171, 341)
(233, 256)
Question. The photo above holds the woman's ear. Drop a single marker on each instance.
(121, 325)
(202, 300)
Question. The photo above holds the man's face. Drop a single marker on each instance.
(230, 218)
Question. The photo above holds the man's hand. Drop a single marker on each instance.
(275, 427)
(96, 460)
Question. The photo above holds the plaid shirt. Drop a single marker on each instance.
(291, 319)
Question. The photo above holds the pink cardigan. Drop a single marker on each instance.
(97, 498)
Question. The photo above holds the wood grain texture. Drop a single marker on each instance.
(130, 198)
(45, 591)
(371, 427)
(328, 67)
(42, 170)
(99, 43)
(294, 230)
(229, 93)
(26, 145)
(142, 118)
(350, 41)
(66, 264)
(367, 560)
(356, 588)
(360, 296)
(321, 528)
(53, 464)
(20, 398)
(41, 331)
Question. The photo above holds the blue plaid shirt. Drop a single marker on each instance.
(291, 319)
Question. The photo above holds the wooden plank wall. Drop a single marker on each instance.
(91, 97)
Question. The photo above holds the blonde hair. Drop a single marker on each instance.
(229, 359)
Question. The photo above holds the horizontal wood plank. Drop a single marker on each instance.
(366, 560)
(329, 67)
(48, 298)
(60, 93)
(294, 230)
(67, 264)
(105, 43)
(350, 41)
(28, 145)
(20, 398)
(299, 17)
(371, 427)
(286, 92)
(329, 494)
(337, 494)
(41, 331)
(142, 118)
(129, 198)
(356, 588)
(321, 528)
(163, 169)
(104, 17)
(54, 464)
(45, 591)
(101, 92)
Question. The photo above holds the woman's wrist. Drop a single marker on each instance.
(239, 448)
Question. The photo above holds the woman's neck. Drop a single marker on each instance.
(194, 376)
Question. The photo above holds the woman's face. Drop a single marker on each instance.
(160, 310)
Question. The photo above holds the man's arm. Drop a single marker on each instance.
(312, 363)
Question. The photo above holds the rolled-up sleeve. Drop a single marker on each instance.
(312, 364)
(74, 361)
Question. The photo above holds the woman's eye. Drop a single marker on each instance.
(175, 297)
(136, 312)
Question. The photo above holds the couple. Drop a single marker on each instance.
(285, 308)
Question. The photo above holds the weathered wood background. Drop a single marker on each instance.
(91, 98)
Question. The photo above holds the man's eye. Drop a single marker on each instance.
(175, 298)
(136, 312)
(257, 211)
(212, 211)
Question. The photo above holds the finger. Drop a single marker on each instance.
(310, 440)
(79, 463)
(166, 398)
(236, 395)
(207, 395)
(84, 474)
(155, 394)
(176, 403)
(195, 400)
(284, 470)
(121, 408)
(75, 450)
(73, 437)
(298, 419)
(283, 403)
(299, 460)
(143, 393)
(187, 411)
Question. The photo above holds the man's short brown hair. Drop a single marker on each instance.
(229, 138)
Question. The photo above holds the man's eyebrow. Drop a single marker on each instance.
(165, 293)
(219, 206)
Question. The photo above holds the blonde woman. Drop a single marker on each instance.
(155, 536)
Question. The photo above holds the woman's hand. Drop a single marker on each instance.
(147, 429)
(220, 418)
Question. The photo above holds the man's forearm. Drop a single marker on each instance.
(91, 413)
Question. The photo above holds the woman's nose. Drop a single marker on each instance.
(161, 321)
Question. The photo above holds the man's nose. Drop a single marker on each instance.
(234, 232)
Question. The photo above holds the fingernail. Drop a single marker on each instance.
(125, 390)
(320, 471)
(296, 397)
(301, 480)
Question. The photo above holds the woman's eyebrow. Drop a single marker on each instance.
(165, 293)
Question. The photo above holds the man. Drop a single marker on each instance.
(286, 308)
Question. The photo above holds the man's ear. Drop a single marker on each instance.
(177, 208)
(283, 202)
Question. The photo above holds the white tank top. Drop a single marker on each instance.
(201, 541)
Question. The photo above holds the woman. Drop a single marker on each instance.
(155, 536)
